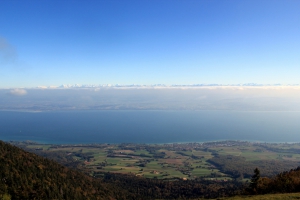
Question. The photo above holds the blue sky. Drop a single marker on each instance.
(149, 42)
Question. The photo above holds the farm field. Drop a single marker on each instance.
(220, 161)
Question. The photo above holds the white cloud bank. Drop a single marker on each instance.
(239, 98)
(18, 92)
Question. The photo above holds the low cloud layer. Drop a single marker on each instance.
(18, 92)
(211, 98)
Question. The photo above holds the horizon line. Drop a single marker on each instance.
(144, 86)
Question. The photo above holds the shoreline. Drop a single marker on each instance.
(39, 142)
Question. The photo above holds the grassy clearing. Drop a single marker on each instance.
(201, 172)
(139, 152)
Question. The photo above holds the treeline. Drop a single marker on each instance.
(239, 167)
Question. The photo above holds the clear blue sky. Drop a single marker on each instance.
(54, 42)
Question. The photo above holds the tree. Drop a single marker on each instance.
(254, 180)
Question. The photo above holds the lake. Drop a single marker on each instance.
(142, 126)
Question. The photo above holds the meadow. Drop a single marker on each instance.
(220, 161)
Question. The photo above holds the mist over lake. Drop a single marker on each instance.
(140, 126)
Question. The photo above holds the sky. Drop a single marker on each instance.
(54, 42)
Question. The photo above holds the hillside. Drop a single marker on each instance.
(28, 176)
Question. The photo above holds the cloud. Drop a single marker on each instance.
(251, 98)
(18, 92)
(8, 53)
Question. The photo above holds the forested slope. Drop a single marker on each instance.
(28, 176)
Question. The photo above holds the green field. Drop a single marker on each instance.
(169, 161)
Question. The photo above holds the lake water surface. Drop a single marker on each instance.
(65, 127)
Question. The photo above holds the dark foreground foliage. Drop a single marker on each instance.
(285, 182)
(24, 175)
(158, 189)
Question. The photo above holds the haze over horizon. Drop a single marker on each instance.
(50, 43)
